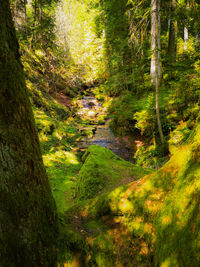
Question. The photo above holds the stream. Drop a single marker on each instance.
(91, 109)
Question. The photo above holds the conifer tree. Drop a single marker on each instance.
(28, 220)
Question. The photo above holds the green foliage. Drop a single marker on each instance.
(117, 51)
(180, 218)
(80, 41)
(34, 22)
(180, 134)
(150, 156)
(130, 113)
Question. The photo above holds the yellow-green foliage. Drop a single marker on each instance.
(76, 34)
(46, 71)
(57, 133)
(153, 221)
(57, 138)
(102, 171)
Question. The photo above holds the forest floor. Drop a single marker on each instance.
(98, 171)
(65, 138)
(113, 212)
(92, 128)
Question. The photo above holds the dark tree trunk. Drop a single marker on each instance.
(172, 42)
(28, 219)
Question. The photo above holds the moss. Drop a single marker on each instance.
(102, 171)
(153, 221)
(71, 244)
(57, 139)
(178, 224)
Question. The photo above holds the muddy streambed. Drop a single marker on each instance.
(91, 109)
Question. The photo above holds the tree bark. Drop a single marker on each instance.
(172, 42)
(155, 58)
(186, 31)
(186, 36)
(28, 218)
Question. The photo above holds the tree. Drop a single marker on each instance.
(186, 31)
(117, 49)
(28, 219)
(172, 42)
(155, 58)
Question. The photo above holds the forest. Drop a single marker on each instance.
(99, 133)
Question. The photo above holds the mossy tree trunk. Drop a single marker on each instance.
(28, 218)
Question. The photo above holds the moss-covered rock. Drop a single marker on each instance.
(103, 171)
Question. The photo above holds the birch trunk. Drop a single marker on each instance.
(186, 31)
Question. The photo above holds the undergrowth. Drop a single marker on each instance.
(58, 132)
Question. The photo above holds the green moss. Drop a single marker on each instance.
(57, 139)
(71, 243)
(102, 171)
(178, 224)
(153, 221)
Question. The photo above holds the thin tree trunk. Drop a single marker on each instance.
(172, 42)
(186, 31)
(155, 58)
(153, 41)
(28, 220)
(186, 36)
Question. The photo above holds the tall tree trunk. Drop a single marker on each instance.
(155, 57)
(28, 218)
(186, 32)
(172, 42)
(186, 36)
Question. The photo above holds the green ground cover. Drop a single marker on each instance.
(152, 221)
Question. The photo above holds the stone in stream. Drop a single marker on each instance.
(98, 134)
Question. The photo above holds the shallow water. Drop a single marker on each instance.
(102, 134)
